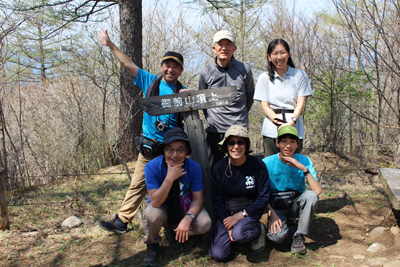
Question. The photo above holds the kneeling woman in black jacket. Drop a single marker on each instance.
(240, 194)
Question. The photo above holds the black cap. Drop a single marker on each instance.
(173, 55)
(175, 134)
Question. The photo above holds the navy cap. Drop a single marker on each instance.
(175, 134)
(173, 55)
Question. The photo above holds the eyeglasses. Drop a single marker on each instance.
(239, 143)
(179, 151)
(225, 44)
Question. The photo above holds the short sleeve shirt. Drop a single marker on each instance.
(143, 80)
(155, 173)
(283, 93)
(283, 177)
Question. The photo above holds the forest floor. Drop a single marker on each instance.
(352, 204)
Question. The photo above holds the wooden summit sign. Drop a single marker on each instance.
(188, 101)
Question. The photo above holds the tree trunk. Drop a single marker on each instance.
(42, 55)
(131, 45)
(4, 222)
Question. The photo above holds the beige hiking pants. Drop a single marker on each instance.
(155, 218)
(136, 191)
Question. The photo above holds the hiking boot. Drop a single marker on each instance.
(298, 245)
(258, 244)
(150, 259)
(116, 225)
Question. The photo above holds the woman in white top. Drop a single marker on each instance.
(282, 90)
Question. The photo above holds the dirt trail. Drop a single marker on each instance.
(351, 206)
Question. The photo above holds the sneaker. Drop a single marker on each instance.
(258, 244)
(298, 245)
(150, 259)
(116, 225)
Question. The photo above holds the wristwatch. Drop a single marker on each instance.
(191, 216)
(244, 213)
(294, 119)
(306, 172)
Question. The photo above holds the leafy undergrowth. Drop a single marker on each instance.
(352, 204)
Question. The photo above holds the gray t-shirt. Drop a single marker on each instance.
(282, 93)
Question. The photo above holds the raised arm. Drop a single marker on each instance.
(314, 184)
(122, 58)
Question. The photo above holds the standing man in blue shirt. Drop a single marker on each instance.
(289, 198)
(153, 127)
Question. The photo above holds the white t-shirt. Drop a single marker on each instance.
(282, 93)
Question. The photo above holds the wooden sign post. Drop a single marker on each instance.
(188, 103)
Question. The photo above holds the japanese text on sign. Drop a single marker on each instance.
(192, 101)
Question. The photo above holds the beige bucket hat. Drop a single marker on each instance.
(238, 131)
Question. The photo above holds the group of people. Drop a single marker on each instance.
(244, 187)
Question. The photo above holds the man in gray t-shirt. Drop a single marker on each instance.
(226, 71)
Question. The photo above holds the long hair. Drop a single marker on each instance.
(271, 66)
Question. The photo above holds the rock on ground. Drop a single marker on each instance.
(376, 247)
(71, 222)
(394, 230)
(378, 261)
(337, 257)
(377, 232)
(392, 264)
(359, 257)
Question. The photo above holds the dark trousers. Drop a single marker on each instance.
(214, 154)
(246, 230)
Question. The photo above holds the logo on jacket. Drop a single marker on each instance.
(250, 182)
